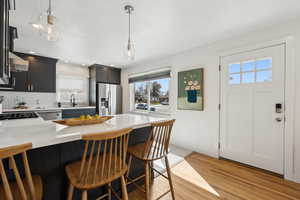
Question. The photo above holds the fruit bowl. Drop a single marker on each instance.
(83, 121)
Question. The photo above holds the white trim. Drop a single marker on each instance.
(290, 91)
(290, 80)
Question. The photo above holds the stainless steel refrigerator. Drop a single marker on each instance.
(109, 99)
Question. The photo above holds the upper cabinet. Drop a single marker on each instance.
(41, 76)
(105, 74)
(115, 76)
(7, 36)
(4, 42)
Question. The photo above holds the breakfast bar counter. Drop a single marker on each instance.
(46, 133)
(55, 146)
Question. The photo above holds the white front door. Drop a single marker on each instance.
(252, 108)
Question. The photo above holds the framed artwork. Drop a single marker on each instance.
(190, 90)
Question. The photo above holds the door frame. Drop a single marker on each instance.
(289, 96)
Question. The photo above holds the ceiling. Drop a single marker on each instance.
(95, 31)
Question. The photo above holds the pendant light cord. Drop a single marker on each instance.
(50, 7)
(129, 25)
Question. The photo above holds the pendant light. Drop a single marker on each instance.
(130, 52)
(49, 24)
(36, 22)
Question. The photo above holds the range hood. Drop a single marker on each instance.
(17, 64)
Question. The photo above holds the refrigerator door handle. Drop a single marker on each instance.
(109, 100)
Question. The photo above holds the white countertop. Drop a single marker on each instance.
(48, 109)
(45, 133)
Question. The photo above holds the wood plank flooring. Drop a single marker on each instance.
(200, 177)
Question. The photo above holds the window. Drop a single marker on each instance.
(250, 71)
(141, 95)
(72, 85)
(151, 95)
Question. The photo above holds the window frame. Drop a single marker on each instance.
(255, 70)
(148, 88)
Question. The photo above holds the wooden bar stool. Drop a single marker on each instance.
(29, 188)
(155, 148)
(105, 163)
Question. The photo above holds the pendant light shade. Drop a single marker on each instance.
(46, 24)
(49, 24)
(36, 22)
(130, 51)
(49, 27)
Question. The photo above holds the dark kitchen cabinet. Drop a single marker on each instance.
(19, 81)
(102, 74)
(41, 76)
(4, 41)
(115, 76)
(106, 74)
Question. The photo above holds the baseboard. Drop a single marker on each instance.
(208, 153)
(296, 179)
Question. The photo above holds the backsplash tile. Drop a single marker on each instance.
(31, 98)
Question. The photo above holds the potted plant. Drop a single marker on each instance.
(191, 89)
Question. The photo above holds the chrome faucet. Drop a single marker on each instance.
(73, 100)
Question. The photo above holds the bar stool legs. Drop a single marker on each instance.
(70, 192)
(124, 188)
(84, 195)
(147, 182)
(109, 191)
(169, 176)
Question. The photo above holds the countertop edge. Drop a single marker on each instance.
(48, 109)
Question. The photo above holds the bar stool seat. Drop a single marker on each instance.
(38, 185)
(139, 150)
(91, 181)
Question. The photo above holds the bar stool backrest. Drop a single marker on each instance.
(9, 153)
(158, 142)
(107, 156)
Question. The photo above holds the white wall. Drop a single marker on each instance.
(198, 131)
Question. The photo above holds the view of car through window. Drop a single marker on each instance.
(152, 95)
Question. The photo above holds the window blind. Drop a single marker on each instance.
(150, 76)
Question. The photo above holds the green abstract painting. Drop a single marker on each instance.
(190, 90)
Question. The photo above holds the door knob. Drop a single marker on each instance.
(278, 119)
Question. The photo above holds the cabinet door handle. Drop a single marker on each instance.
(32, 87)
(28, 87)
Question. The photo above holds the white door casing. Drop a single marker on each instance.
(251, 131)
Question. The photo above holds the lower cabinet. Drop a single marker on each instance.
(75, 113)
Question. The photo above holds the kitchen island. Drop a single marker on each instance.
(55, 146)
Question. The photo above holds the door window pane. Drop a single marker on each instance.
(248, 77)
(263, 76)
(234, 79)
(234, 68)
(264, 64)
(248, 66)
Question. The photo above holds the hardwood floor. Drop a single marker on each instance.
(200, 177)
